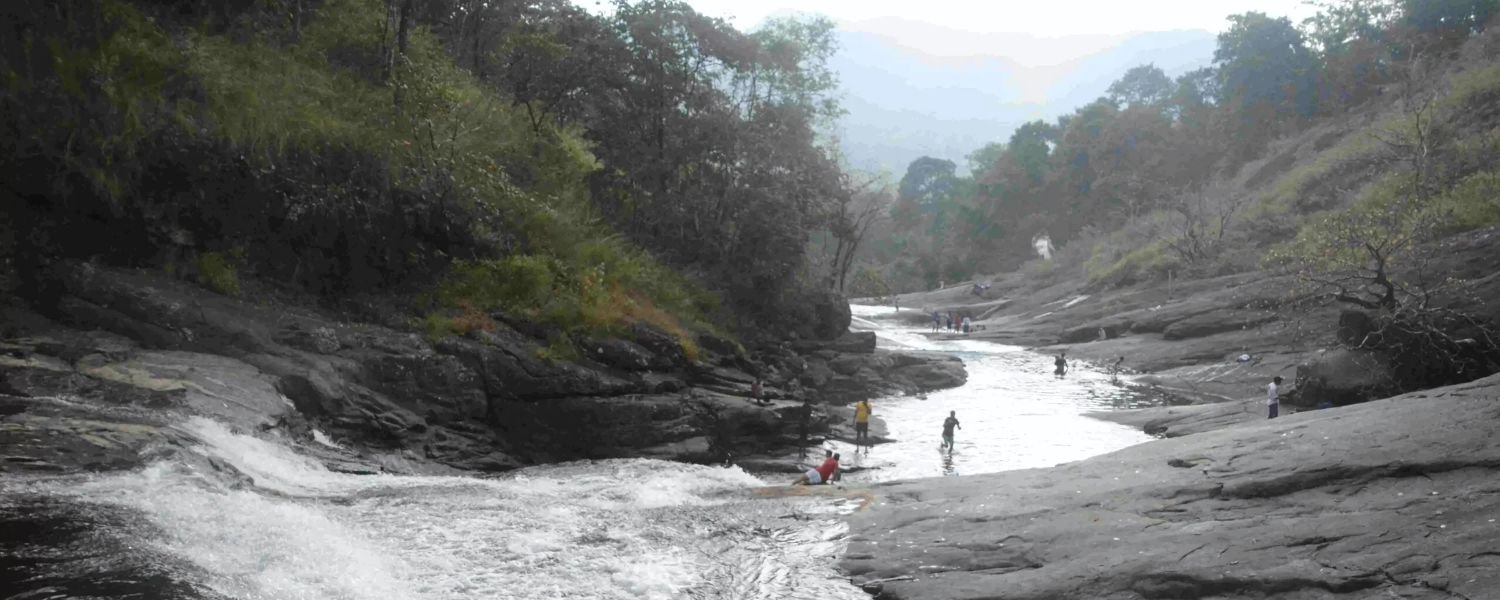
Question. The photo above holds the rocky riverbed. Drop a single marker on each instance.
(1208, 340)
(1392, 498)
(1396, 498)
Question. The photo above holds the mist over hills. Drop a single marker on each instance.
(945, 93)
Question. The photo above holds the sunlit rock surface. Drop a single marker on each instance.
(1396, 498)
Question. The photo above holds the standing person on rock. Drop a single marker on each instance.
(1273, 401)
(862, 423)
(937, 321)
(948, 425)
(755, 391)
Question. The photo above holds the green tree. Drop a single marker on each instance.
(1267, 75)
(1145, 85)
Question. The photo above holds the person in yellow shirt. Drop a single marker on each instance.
(862, 422)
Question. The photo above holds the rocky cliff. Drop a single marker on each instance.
(89, 376)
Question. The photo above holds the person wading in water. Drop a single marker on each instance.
(948, 425)
(1061, 362)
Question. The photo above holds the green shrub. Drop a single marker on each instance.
(1476, 89)
(1307, 187)
(1146, 263)
(217, 272)
(1473, 203)
(615, 288)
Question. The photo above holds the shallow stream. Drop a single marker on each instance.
(605, 529)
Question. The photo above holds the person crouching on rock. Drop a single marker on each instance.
(1273, 402)
(823, 473)
(862, 423)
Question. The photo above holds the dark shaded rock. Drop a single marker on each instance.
(437, 386)
(858, 342)
(657, 383)
(1342, 376)
(320, 340)
(1213, 322)
(717, 345)
(508, 369)
(816, 375)
(658, 342)
(852, 377)
(536, 330)
(1354, 327)
(848, 365)
(623, 354)
(1091, 332)
(931, 375)
(832, 316)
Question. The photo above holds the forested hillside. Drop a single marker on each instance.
(470, 160)
(1372, 121)
(1337, 160)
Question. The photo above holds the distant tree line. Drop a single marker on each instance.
(1157, 148)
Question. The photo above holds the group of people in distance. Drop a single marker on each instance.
(951, 322)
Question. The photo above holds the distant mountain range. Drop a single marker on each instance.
(946, 93)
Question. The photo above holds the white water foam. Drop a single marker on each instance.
(603, 529)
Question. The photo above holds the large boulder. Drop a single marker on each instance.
(852, 377)
(1342, 376)
(832, 315)
(1355, 326)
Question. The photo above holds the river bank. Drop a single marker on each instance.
(126, 351)
(1390, 498)
(1393, 498)
(1207, 340)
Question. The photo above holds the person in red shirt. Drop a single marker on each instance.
(823, 473)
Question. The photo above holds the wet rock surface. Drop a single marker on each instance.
(1396, 498)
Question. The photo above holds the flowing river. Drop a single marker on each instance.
(184, 528)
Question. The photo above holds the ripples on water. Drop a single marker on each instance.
(606, 529)
(1014, 414)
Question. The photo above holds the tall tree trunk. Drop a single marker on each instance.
(403, 38)
(392, 15)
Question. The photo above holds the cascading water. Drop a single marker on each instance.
(241, 517)
(606, 529)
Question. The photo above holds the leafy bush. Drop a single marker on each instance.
(1473, 90)
(1150, 262)
(1316, 185)
(218, 273)
(604, 297)
(1473, 203)
(869, 282)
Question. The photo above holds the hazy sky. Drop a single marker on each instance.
(1037, 17)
